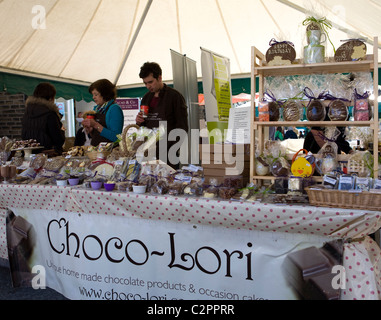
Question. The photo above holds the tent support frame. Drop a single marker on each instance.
(143, 17)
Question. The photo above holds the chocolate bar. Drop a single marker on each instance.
(309, 271)
(281, 185)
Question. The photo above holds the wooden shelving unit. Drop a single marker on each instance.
(260, 70)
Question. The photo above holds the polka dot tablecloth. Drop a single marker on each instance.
(362, 259)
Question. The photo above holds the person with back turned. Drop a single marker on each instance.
(42, 120)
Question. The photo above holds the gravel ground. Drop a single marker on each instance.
(7, 292)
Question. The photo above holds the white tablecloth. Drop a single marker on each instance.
(361, 258)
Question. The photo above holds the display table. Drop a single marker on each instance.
(361, 255)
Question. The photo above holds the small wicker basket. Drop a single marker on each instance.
(344, 199)
(94, 155)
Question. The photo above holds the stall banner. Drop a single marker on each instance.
(101, 257)
(130, 108)
(216, 80)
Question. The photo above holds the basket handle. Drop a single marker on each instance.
(296, 154)
(124, 134)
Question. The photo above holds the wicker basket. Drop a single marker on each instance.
(344, 199)
(94, 155)
(124, 145)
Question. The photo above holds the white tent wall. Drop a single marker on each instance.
(87, 40)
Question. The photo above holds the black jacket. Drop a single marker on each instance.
(171, 108)
(42, 122)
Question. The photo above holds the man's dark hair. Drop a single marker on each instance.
(148, 68)
(45, 90)
(105, 87)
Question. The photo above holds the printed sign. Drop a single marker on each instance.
(100, 257)
(130, 107)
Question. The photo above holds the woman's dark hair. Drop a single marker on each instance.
(148, 68)
(105, 87)
(45, 90)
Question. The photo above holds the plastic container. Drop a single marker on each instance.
(109, 186)
(139, 189)
(96, 185)
(73, 181)
(61, 183)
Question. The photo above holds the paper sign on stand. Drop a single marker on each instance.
(239, 125)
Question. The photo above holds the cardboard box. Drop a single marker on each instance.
(221, 161)
(220, 158)
(228, 148)
(226, 155)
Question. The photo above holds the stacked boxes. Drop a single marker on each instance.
(221, 161)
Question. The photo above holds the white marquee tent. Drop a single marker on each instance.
(82, 41)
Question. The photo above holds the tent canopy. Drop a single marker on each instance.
(79, 42)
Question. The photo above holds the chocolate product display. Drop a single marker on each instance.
(147, 180)
(363, 183)
(292, 111)
(54, 164)
(280, 53)
(226, 193)
(285, 198)
(210, 192)
(176, 188)
(295, 185)
(330, 181)
(309, 271)
(281, 185)
(263, 111)
(243, 194)
(315, 111)
(160, 187)
(21, 144)
(126, 185)
(352, 50)
(194, 189)
(274, 111)
(280, 167)
(233, 182)
(362, 110)
(337, 111)
(346, 182)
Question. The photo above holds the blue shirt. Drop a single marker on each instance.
(114, 121)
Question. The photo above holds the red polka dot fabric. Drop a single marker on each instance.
(362, 259)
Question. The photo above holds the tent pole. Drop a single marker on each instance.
(144, 15)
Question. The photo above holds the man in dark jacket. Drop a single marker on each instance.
(42, 120)
(164, 104)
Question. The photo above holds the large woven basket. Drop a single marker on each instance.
(344, 199)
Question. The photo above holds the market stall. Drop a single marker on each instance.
(105, 222)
